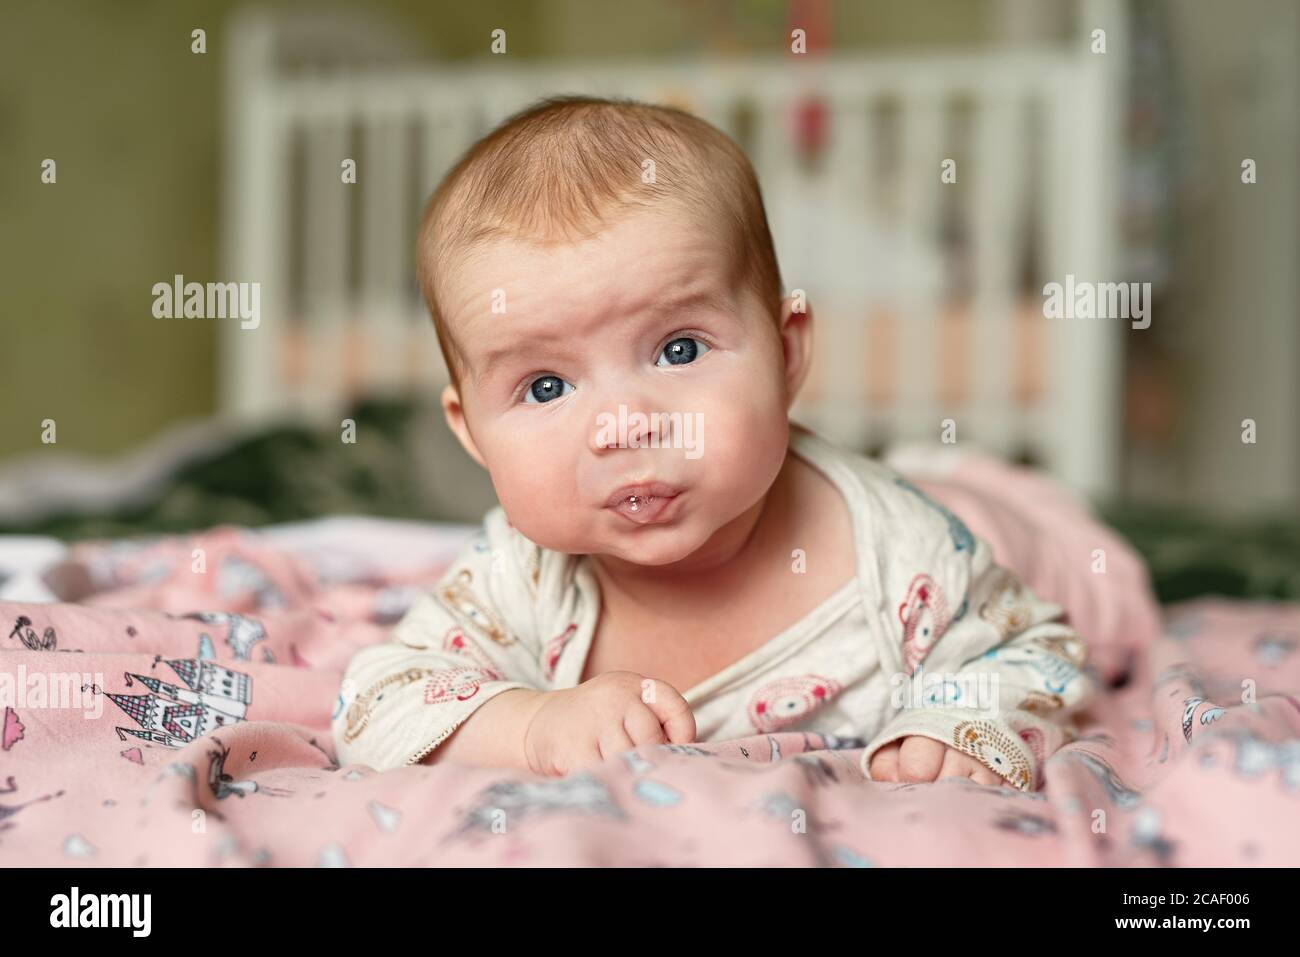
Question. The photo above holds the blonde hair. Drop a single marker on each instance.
(555, 170)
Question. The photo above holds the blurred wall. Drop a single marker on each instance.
(113, 94)
(1238, 314)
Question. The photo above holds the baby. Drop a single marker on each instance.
(672, 560)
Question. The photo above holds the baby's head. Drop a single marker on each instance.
(607, 298)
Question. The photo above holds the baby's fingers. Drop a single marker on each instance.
(673, 712)
(982, 775)
(614, 740)
(643, 726)
(884, 763)
(919, 759)
(963, 765)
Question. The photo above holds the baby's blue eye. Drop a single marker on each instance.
(546, 388)
(681, 351)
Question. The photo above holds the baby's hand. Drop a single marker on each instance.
(582, 726)
(918, 758)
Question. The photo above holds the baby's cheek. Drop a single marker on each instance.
(746, 445)
(536, 490)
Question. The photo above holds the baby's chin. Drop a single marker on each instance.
(650, 545)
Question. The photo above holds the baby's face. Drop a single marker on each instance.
(570, 351)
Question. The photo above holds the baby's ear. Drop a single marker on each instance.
(455, 414)
(796, 342)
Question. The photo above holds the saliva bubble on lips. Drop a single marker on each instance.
(634, 502)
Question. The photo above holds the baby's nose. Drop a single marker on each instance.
(629, 427)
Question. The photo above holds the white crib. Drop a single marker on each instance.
(927, 295)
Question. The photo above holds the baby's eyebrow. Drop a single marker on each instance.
(503, 354)
(691, 301)
(702, 300)
(495, 357)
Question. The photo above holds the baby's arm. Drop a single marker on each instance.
(918, 759)
(555, 732)
(461, 679)
(462, 644)
(1002, 684)
(494, 736)
(403, 698)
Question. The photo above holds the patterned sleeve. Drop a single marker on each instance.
(981, 663)
(460, 645)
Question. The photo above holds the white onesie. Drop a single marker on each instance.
(929, 638)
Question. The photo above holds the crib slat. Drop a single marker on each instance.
(773, 157)
(257, 238)
(444, 135)
(848, 167)
(996, 207)
(325, 268)
(446, 131)
(1085, 141)
(921, 151)
(385, 248)
(382, 177)
(844, 273)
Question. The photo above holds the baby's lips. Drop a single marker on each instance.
(643, 492)
(644, 510)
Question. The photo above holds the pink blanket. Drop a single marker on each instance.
(197, 733)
